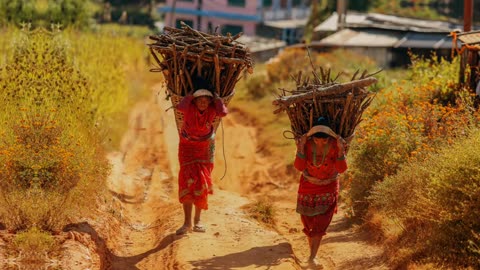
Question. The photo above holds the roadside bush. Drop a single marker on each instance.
(33, 244)
(262, 211)
(436, 204)
(407, 122)
(53, 166)
(258, 86)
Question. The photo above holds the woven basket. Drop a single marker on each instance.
(175, 99)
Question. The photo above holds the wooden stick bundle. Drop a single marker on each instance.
(184, 53)
(342, 103)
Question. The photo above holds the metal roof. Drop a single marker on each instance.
(258, 44)
(363, 38)
(330, 24)
(285, 24)
(386, 38)
(425, 41)
(383, 21)
(470, 38)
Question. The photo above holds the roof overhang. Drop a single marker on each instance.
(470, 38)
(211, 13)
(287, 24)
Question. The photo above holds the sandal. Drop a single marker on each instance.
(199, 228)
(183, 230)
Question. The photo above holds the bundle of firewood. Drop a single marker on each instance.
(186, 52)
(183, 54)
(341, 103)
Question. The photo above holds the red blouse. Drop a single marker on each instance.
(198, 125)
(312, 161)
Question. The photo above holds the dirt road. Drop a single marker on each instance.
(143, 188)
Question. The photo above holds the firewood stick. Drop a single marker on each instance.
(324, 91)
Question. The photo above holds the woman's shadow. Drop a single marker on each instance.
(266, 256)
(112, 261)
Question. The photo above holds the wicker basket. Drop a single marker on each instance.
(175, 99)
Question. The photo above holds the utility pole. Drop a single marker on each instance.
(174, 4)
(468, 57)
(341, 13)
(467, 15)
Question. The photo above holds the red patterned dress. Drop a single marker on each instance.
(318, 190)
(196, 151)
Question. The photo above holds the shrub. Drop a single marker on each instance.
(436, 203)
(406, 122)
(33, 243)
(263, 211)
(54, 168)
(258, 86)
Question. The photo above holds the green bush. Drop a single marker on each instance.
(43, 12)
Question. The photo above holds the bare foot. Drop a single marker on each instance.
(199, 228)
(183, 230)
(314, 264)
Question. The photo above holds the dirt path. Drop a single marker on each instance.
(143, 185)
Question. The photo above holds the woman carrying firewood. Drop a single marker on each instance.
(320, 157)
(196, 151)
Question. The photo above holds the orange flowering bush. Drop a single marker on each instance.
(407, 122)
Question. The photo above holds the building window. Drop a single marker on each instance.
(186, 0)
(232, 29)
(187, 22)
(237, 3)
(267, 3)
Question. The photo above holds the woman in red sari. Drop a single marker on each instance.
(320, 157)
(196, 152)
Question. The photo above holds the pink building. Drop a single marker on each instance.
(233, 16)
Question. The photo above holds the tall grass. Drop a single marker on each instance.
(53, 166)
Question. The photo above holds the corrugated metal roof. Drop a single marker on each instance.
(471, 38)
(425, 41)
(386, 38)
(362, 38)
(383, 21)
(258, 44)
(284, 24)
(330, 24)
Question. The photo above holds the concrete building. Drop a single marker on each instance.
(280, 19)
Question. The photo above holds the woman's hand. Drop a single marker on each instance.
(301, 143)
(341, 144)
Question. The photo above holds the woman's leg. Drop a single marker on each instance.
(187, 210)
(187, 224)
(314, 245)
(197, 226)
(196, 219)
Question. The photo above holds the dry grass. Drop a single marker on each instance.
(263, 211)
(33, 245)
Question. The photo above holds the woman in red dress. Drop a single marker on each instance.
(196, 153)
(320, 157)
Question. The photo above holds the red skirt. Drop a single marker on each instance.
(316, 204)
(195, 176)
(317, 225)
